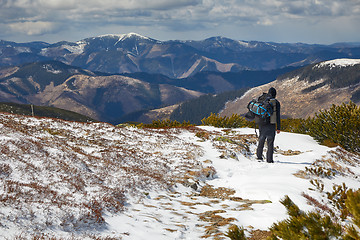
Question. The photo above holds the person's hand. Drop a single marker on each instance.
(277, 131)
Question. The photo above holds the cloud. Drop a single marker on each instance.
(33, 28)
(57, 4)
(36, 17)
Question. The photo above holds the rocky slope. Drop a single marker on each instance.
(305, 91)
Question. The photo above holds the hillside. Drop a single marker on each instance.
(307, 90)
(93, 180)
(107, 97)
(40, 111)
(131, 53)
(99, 96)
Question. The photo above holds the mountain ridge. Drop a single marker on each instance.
(305, 91)
(109, 97)
(99, 96)
(129, 53)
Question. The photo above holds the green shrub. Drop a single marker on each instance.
(235, 233)
(167, 123)
(352, 203)
(294, 125)
(313, 225)
(303, 225)
(338, 198)
(235, 121)
(339, 124)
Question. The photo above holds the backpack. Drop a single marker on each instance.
(261, 108)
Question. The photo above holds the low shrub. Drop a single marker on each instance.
(338, 125)
(313, 225)
(294, 125)
(167, 123)
(352, 203)
(235, 233)
(235, 121)
(303, 225)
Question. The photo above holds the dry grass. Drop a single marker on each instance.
(289, 152)
(215, 221)
(259, 235)
(67, 175)
(221, 193)
(213, 217)
(338, 163)
(316, 203)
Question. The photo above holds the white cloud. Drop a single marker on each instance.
(36, 17)
(58, 4)
(32, 28)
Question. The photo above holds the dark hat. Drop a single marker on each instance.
(272, 92)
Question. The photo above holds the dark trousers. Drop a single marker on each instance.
(267, 132)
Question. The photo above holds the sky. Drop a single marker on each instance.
(307, 21)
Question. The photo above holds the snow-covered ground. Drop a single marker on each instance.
(67, 179)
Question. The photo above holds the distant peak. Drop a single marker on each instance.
(123, 36)
(342, 62)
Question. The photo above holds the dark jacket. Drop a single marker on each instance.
(276, 114)
(278, 122)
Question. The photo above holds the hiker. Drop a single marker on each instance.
(268, 127)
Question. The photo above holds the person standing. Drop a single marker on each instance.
(268, 129)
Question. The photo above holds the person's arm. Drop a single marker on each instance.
(278, 120)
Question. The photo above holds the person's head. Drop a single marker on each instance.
(272, 92)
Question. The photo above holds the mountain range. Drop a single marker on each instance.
(110, 97)
(102, 97)
(129, 53)
(130, 77)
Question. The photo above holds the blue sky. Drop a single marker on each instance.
(308, 21)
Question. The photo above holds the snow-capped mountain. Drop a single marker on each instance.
(307, 90)
(128, 53)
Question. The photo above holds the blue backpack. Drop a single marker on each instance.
(261, 107)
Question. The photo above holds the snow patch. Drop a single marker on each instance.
(51, 69)
(23, 50)
(342, 62)
(76, 49)
(245, 44)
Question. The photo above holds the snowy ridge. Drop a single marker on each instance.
(76, 49)
(342, 62)
(123, 36)
(69, 179)
(244, 43)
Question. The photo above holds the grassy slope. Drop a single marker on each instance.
(41, 111)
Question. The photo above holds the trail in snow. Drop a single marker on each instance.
(260, 185)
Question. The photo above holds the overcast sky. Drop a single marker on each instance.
(308, 21)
